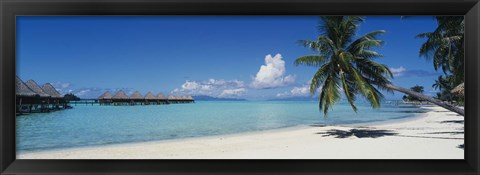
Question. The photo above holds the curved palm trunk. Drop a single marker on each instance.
(427, 98)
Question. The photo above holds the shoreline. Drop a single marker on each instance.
(274, 130)
(289, 142)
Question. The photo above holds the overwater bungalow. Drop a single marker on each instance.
(57, 101)
(185, 99)
(150, 99)
(180, 99)
(172, 99)
(36, 88)
(190, 98)
(105, 98)
(30, 97)
(120, 98)
(162, 99)
(137, 98)
(43, 102)
(25, 98)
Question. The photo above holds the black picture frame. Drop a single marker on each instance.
(9, 9)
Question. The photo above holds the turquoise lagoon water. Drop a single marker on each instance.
(87, 125)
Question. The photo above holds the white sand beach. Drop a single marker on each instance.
(437, 134)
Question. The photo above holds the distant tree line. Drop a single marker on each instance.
(71, 97)
(410, 98)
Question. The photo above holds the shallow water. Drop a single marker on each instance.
(87, 125)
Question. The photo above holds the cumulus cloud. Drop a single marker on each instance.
(398, 71)
(212, 87)
(302, 91)
(297, 91)
(272, 74)
(401, 71)
(233, 92)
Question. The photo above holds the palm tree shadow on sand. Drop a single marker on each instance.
(360, 133)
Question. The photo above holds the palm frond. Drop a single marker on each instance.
(348, 92)
(368, 54)
(445, 45)
(345, 65)
(320, 77)
(312, 45)
(311, 60)
(367, 90)
(357, 45)
(330, 94)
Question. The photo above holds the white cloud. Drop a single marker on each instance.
(83, 92)
(297, 91)
(403, 72)
(272, 74)
(233, 92)
(193, 86)
(190, 85)
(95, 92)
(86, 92)
(398, 71)
(302, 91)
(63, 87)
(211, 87)
(282, 94)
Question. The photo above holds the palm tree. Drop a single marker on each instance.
(415, 88)
(445, 85)
(346, 65)
(440, 83)
(445, 46)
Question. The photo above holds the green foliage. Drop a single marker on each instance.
(415, 88)
(71, 97)
(445, 46)
(445, 85)
(345, 64)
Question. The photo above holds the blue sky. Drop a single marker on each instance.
(223, 56)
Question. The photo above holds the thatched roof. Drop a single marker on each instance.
(21, 89)
(120, 95)
(136, 95)
(50, 90)
(189, 98)
(150, 96)
(459, 90)
(106, 95)
(161, 96)
(171, 97)
(35, 88)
